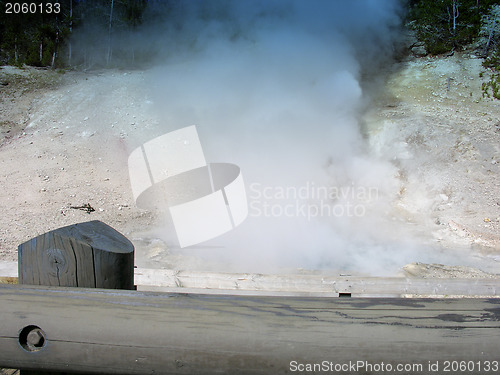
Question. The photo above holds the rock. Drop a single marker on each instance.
(418, 51)
(86, 134)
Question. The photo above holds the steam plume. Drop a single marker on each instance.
(277, 87)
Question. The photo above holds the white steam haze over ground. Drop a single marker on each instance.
(276, 88)
(354, 162)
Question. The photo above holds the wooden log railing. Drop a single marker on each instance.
(277, 324)
(130, 332)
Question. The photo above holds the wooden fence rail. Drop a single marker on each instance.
(241, 324)
(129, 332)
(296, 285)
(312, 285)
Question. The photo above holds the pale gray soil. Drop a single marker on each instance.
(65, 139)
(67, 146)
(445, 137)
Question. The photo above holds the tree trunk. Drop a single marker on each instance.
(452, 17)
(69, 54)
(490, 36)
(55, 51)
(108, 57)
(455, 16)
(15, 51)
(70, 30)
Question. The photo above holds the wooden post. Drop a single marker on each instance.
(85, 255)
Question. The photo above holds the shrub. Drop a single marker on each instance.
(492, 85)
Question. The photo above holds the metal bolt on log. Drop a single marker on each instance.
(32, 338)
(36, 338)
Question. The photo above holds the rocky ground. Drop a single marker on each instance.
(65, 139)
(445, 138)
(65, 145)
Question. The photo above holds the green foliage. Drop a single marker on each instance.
(30, 38)
(493, 61)
(446, 25)
(491, 88)
(492, 85)
(43, 39)
(133, 11)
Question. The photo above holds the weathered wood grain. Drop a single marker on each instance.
(126, 332)
(314, 285)
(89, 255)
(297, 285)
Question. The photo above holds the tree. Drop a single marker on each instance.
(85, 33)
(491, 28)
(31, 38)
(445, 25)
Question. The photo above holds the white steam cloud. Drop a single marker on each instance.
(276, 87)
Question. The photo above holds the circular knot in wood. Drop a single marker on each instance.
(56, 262)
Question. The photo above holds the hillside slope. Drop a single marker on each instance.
(65, 143)
(445, 138)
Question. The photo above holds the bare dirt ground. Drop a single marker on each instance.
(65, 139)
(444, 136)
(64, 144)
